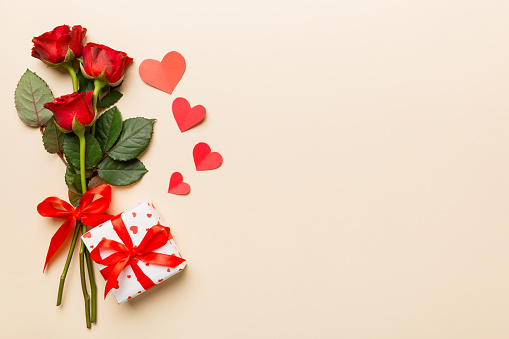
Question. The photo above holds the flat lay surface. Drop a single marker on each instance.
(363, 190)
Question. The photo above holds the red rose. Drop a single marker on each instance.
(102, 62)
(59, 45)
(75, 105)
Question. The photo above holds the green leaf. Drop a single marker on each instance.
(93, 153)
(74, 195)
(77, 182)
(121, 173)
(109, 99)
(95, 181)
(135, 136)
(53, 138)
(108, 127)
(85, 85)
(69, 176)
(30, 96)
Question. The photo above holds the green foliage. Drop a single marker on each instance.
(109, 99)
(108, 127)
(30, 96)
(69, 176)
(93, 153)
(121, 173)
(85, 85)
(95, 181)
(134, 138)
(53, 138)
(74, 195)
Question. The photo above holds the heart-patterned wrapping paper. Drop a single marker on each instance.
(137, 220)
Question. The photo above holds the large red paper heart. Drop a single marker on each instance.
(185, 116)
(177, 185)
(164, 75)
(204, 159)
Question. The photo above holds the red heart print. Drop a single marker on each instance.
(160, 280)
(134, 229)
(164, 75)
(204, 159)
(149, 215)
(86, 235)
(168, 270)
(128, 276)
(177, 185)
(129, 297)
(146, 264)
(134, 214)
(139, 292)
(91, 246)
(185, 116)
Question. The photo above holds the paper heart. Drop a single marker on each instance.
(149, 215)
(185, 116)
(177, 185)
(128, 276)
(86, 235)
(204, 159)
(164, 75)
(134, 229)
(134, 214)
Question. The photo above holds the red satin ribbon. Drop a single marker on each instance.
(127, 254)
(89, 212)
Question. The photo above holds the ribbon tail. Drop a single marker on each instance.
(144, 281)
(58, 239)
(112, 281)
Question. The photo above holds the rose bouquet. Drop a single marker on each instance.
(97, 148)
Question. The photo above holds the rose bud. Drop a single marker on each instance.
(103, 63)
(73, 111)
(60, 45)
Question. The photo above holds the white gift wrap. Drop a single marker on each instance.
(137, 220)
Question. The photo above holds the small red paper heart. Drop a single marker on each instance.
(139, 291)
(160, 280)
(134, 214)
(129, 297)
(91, 246)
(168, 270)
(164, 75)
(204, 159)
(177, 185)
(86, 235)
(128, 276)
(149, 215)
(146, 264)
(134, 229)
(185, 116)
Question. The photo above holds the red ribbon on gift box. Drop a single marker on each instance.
(89, 211)
(127, 254)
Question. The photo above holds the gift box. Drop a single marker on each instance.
(134, 251)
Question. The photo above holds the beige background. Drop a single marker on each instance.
(364, 192)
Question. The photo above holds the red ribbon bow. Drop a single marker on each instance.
(127, 254)
(89, 212)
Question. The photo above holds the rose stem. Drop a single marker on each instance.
(81, 136)
(70, 68)
(98, 86)
(93, 287)
(83, 280)
(66, 267)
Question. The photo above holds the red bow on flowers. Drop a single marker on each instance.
(89, 212)
(127, 254)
